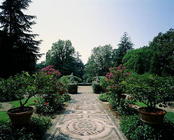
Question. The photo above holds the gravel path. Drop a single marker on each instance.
(85, 118)
(5, 106)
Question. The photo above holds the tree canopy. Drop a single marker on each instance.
(21, 51)
(64, 58)
(124, 46)
(156, 58)
(99, 62)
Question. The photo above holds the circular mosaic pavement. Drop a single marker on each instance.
(85, 127)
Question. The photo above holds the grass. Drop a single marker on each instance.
(31, 102)
(3, 116)
(170, 117)
(141, 104)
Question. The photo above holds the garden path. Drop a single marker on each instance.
(5, 106)
(85, 118)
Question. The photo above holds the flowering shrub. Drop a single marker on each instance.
(51, 92)
(51, 71)
(115, 79)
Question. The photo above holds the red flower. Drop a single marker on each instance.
(50, 70)
(46, 103)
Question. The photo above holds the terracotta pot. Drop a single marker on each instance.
(151, 117)
(20, 117)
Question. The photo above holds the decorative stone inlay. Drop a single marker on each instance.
(85, 127)
(85, 119)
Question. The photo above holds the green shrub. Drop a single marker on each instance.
(66, 97)
(104, 97)
(97, 88)
(135, 129)
(5, 131)
(35, 131)
(70, 79)
(124, 109)
(72, 88)
(8, 88)
(150, 89)
(50, 104)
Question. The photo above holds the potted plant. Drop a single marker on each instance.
(150, 90)
(21, 115)
(73, 84)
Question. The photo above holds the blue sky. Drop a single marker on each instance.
(90, 23)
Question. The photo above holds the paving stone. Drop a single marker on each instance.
(84, 119)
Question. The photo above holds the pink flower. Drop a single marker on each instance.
(109, 75)
(51, 71)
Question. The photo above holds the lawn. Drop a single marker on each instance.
(3, 116)
(31, 102)
(141, 104)
(170, 116)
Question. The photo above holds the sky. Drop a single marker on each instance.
(91, 23)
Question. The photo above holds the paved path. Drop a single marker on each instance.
(84, 119)
(5, 106)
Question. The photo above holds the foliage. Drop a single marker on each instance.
(116, 78)
(150, 89)
(102, 81)
(156, 58)
(34, 131)
(16, 87)
(162, 62)
(72, 88)
(8, 90)
(40, 65)
(5, 131)
(170, 117)
(4, 117)
(104, 97)
(70, 79)
(135, 129)
(31, 102)
(123, 47)
(49, 70)
(63, 56)
(66, 97)
(97, 88)
(99, 62)
(138, 60)
(21, 48)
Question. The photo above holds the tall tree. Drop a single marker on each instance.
(17, 26)
(162, 62)
(124, 45)
(99, 62)
(64, 58)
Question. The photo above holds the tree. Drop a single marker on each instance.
(99, 62)
(17, 25)
(124, 46)
(138, 60)
(156, 58)
(64, 58)
(162, 62)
